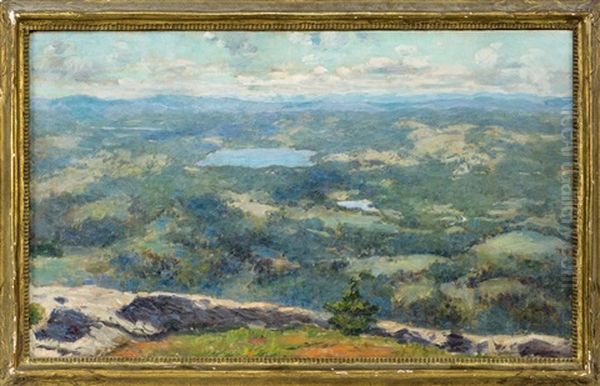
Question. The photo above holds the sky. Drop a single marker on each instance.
(117, 65)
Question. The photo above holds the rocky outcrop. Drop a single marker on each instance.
(66, 325)
(539, 347)
(514, 345)
(93, 321)
(170, 313)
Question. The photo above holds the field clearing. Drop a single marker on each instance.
(387, 265)
(333, 218)
(519, 244)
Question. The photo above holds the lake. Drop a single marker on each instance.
(364, 205)
(259, 158)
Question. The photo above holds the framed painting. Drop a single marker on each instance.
(256, 192)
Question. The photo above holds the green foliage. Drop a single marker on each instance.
(36, 313)
(438, 310)
(146, 270)
(51, 248)
(179, 227)
(352, 315)
(443, 272)
(300, 342)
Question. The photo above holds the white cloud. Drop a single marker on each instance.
(416, 62)
(377, 74)
(279, 78)
(343, 71)
(236, 44)
(209, 35)
(309, 59)
(334, 38)
(488, 56)
(212, 37)
(404, 49)
(60, 62)
(534, 72)
(121, 45)
(320, 70)
(381, 62)
(383, 65)
(308, 67)
(301, 38)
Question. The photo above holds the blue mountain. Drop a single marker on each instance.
(88, 107)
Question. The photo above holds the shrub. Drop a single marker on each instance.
(442, 272)
(36, 313)
(50, 248)
(437, 310)
(95, 232)
(352, 315)
(146, 270)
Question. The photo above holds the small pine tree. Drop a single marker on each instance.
(352, 315)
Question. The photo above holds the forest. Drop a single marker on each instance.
(451, 209)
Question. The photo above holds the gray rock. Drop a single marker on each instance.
(66, 325)
(485, 347)
(539, 348)
(457, 343)
(165, 313)
(407, 336)
(169, 313)
(97, 320)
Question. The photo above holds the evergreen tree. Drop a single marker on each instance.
(352, 315)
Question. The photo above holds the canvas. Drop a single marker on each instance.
(332, 194)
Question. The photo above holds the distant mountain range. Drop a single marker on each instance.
(92, 106)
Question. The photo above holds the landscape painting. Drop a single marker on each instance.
(301, 195)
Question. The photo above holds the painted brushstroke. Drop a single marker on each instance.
(301, 194)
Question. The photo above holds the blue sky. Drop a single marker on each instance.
(268, 64)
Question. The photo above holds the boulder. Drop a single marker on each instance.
(171, 313)
(66, 325)
(405, 335)
(540, 348)
(165, 313)
(457, 343)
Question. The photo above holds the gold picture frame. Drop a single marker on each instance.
(20, 17)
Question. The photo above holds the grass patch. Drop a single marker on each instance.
(387, 265)
(333, 218)
(411, 292)
(303, 342)
(521, 244)
(115, 206)
(493, 288)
